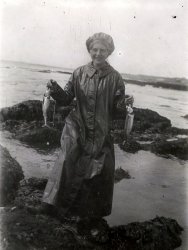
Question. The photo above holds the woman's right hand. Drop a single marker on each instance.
(50, 84)
(129, 100)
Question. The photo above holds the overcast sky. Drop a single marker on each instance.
(150, 36)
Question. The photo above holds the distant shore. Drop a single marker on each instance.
(158, 84)
(176, 83)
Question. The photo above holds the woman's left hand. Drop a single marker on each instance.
(129, 100)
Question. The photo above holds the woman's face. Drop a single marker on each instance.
(98, 53)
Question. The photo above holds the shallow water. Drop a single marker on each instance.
(35, 162)
(159, 187)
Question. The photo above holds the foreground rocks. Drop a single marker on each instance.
(162, 146)
(150, 131)
(11, 174)
(25, 230)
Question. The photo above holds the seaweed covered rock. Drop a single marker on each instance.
(185, 116)
(28, 110)
(121, 174)
(31, 110)
(25, 122)
(146, 119)
(176, 131)
(176, 147)
(11, 174)
(159, 233)
(25, 230)
(30, 192)
(130, 145)
(41, 137)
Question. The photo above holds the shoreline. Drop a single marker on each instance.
(176, 83)
(164, 85)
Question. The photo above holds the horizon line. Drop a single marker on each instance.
(47, 65)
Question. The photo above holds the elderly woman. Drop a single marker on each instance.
(82, 180)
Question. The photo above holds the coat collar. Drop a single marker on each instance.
(90, 70)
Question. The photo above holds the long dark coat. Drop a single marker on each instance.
(81, 182)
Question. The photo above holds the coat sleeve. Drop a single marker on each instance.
(119, 98)
(64, 97)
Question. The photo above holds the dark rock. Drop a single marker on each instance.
(27, 110)
(130, 146)
(10, 125)
(45, 232)
(178, 148)
(11, 174)
(171, 83)
(30, 192)
(118, 135)
(25, 121)
(31, 110)
(35, 183)
(20, 126)
(176, 131)
(185, 116)
(146, 119)
(159, 233)
(121, 174)
(41, 137)
(25, 230)
(161, 144)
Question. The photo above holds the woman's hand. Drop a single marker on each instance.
(129, 100)
(50, 84)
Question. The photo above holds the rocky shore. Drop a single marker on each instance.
(150, 131)
(159, 84)
(157, 81)
(23, 228)
(11, 175)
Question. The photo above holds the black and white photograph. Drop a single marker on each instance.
(93, 125)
